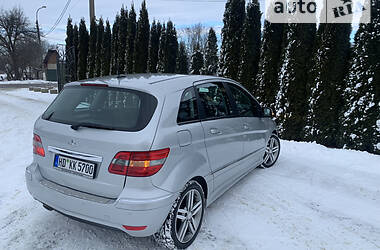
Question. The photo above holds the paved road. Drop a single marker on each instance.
(14, 86)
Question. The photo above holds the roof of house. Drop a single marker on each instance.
(50, 53)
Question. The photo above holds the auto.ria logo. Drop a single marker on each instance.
(314, 11)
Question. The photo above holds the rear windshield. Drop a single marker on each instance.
(103, 107)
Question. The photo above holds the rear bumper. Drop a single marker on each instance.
(108, 212)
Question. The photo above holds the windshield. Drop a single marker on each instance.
(102, 107)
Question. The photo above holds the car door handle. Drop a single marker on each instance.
(215, 131)
(245, 126)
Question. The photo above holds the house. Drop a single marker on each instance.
(50, 65)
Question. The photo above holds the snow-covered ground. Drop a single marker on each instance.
(314, 198)
(27, 82)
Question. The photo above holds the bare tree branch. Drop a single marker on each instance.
(18, 40)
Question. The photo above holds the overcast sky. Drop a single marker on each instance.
(182, 12)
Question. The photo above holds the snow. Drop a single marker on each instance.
(26, 82)
(313, 198)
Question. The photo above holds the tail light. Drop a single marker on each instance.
(138, 164)
(119, 164)
(37, 146)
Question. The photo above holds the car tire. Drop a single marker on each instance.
(181, 227)
(272, 152)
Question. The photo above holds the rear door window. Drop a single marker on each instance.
(214, 100)
(188, 107)
(112, 108)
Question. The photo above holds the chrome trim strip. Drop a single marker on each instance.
(69, 153)
(233, 162)
(263, 131)
(74, 193)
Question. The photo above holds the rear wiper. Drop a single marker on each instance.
(90, 125)
(49, 116)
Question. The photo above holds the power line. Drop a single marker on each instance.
(59, 18)
(73, 5)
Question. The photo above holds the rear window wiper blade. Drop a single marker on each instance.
(90, 125)
(49, 116)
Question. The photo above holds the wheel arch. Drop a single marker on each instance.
(203, 184)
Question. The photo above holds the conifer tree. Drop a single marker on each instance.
(99, 48)
(326, 81)
(130, 41)
(83, 50)
(69, 34)
(70, 50)
(74, 76)
(361, 113)
(231, 38)
(106, 50)
(122, 40)
(115, 46)
(196, 60)
(270, 53)
(167, 54)
(291, 101)
(162, 59)
(92, 49)
(211, 54)
(142, 41)
(172, 47)
(250, 47)
(154, 43)
(182, 59)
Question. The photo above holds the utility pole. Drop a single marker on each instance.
(39, 36)
(92, 10)
(38, 27)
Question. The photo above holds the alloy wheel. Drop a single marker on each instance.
(188, 216)
(271, 151)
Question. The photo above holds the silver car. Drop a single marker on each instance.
(148, 153)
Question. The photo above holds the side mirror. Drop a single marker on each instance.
(267, 112)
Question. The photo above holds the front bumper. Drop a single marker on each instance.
(109, 212)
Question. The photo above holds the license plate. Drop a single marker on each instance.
(86, 169)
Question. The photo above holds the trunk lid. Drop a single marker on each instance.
(92, 145)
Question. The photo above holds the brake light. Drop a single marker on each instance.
(93, 85)
(37, 146)
(138, 164)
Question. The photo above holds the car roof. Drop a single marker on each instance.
(152, 83)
